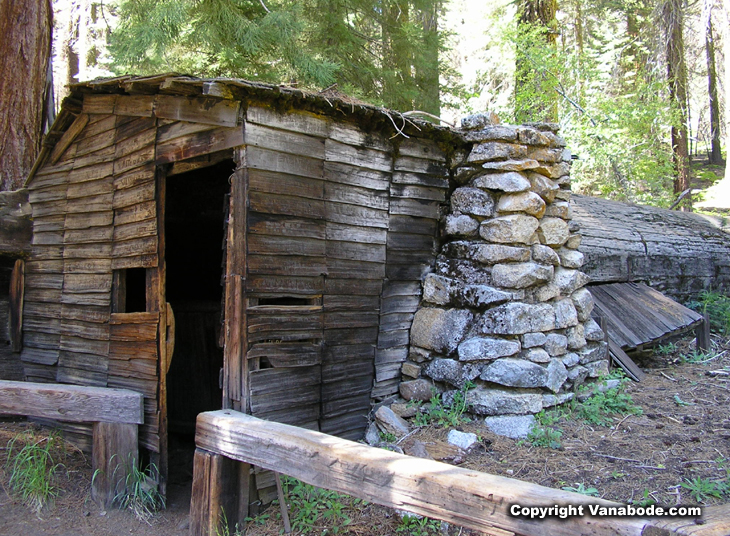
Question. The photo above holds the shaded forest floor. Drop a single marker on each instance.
(675, 451)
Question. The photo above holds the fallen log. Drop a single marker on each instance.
(677, 253)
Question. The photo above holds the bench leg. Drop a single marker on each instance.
(216, 496)
(114, 454)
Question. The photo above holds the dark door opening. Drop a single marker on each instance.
(194, 234)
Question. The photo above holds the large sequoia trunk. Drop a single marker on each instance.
(678, 253)
(25, 49)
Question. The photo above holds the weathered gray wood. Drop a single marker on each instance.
(70, 402)
(301, 122)
(358, 156)
(114, 456)
(17, 289)
(134, 105)
(625, 362)
(260, 158)
(197, 144)
(285, 142)
(68, 137)
(702, 333)
(356, 176)
(468, 498)
(285, 184)
(208, 110)
(286, 205)
(16, 227)
(678, 253)
(275, 224)
(352, 135)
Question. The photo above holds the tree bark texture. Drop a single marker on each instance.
(715, 156)
(25, 49)
(673, 16)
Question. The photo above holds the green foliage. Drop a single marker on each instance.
(646, 499)
(443, 414)
(315, 510)
(224, 529)
(665, 349)
(140, 493)
(678, 401)
(608, 93)
(411, 525)
(717, 307)
(702, 489)
(697, 356)
(385, 52)
(545, 437)
(387, 437)
(582, 489)
(601, 407)
(33, 469)
(539, 70)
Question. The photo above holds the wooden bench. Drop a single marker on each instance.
(114, 413)
(463, 497)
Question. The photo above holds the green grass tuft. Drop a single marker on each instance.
(33, 469)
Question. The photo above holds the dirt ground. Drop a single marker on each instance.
(682, 433)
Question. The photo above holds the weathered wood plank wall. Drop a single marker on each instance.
(334, 228)
(417, 191)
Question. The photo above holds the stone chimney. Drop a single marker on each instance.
(505, 307)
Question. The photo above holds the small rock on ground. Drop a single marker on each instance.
(513, 426)
(462, 440)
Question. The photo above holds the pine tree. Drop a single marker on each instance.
(383, 51)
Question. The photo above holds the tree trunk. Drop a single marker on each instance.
(540, 13)
(677, 77)
(25, 47)
(715, 154)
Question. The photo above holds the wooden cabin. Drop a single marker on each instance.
(222, 244)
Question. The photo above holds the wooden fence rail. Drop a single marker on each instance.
(468, 498)
(115, 414)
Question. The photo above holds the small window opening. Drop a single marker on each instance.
(285, 300)
(130, 291)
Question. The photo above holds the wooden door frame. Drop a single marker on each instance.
(235, 364)
(156, 285)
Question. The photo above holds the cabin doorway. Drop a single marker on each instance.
(195, 214)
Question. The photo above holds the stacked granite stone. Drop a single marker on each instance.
(505, 307)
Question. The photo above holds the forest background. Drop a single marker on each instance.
(639, 87)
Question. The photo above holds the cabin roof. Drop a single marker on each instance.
(328, 102)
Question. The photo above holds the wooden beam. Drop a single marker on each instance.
(17, 288)
(114, 454)
(71, 403)
(625, 362)
(702, 332)
(467, 498)
(68, 137)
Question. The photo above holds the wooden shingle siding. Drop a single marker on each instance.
(285, 257)
(417, 192)
(330, 229)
